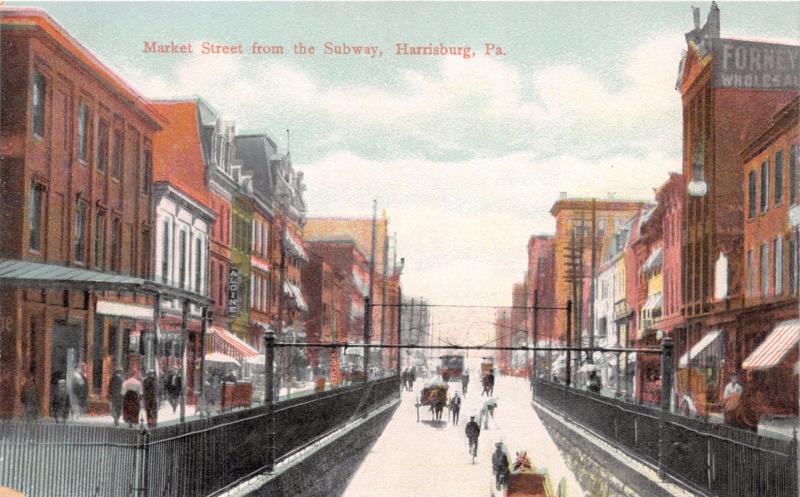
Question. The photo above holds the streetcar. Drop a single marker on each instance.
(452, 367)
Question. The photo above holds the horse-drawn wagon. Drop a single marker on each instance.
(433, 395)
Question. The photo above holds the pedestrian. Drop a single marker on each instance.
(30, 399)
(79, 391)
(487, 411)
(132, 391)
(455, 408)
(465, 382)
(500, 466)
(115, 395)
(60, 404)
(473, 431)
(150, 398)
(594, 382)
(175, 389)
(731, 400)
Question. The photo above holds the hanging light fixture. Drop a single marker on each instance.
(698, 187)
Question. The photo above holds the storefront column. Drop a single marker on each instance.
(184, 356)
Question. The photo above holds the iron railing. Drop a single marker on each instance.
(200, 457)
(713, 459)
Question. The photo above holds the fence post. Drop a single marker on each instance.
(144, 458)
(269, 380)
(666, 397)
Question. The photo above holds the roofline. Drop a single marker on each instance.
(600, 204)
(29, 17)
(782, 120)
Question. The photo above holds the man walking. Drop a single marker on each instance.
(455, 408)
(473, 431)
(465, 381)
(115, 395)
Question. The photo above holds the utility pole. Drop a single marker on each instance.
(383, 289)
(592, 288)
(535, 329)
(367, 319)
(399, 329)
(281, 283)
(368, 323)
(569, 344)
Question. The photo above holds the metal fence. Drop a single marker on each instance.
(198, 458)
(716, 460)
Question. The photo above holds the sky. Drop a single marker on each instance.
(467, 155)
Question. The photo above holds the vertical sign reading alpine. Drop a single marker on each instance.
(233, 291)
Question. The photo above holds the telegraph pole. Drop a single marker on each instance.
(592, 288)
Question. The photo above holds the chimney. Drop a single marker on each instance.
(712, 22)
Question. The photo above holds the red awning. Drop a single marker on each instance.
(229, 344)
(772, 350)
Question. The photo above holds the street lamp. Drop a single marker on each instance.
(698, 187)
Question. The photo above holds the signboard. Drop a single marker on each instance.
(755, 65)
(233, 291)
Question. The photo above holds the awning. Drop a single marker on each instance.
(26, 274)
(294, 292)
(708, 346)
(778, 344)
(362, 285)
(218, 358)
(123, 310)
(653, 302)
(294, 246)
(227, 343)
(654, 261)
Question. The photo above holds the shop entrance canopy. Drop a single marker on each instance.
(782, 339)
(708, 346)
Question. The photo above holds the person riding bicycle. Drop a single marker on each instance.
(500, 466)
(473, 431)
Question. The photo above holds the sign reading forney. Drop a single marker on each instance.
(233, 291)
(759, 66)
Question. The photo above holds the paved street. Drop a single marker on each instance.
(423, 459)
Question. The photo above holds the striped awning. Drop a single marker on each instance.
(707, 347)
(294, 292)
(779, 342)
(227, 343)
(295, 246)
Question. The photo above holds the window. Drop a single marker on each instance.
(778, 177)
(777, 264)
(793, 273)
(102, 145)
(222, 285)
(793, 172)
(182, 248)
(255, 235)
(257, 292)
(145, 267)
(99, 238)
(80, 231)
(265, 240)
(117, 155)
(38, 92)
(764, 269)
(116, 244)
(751, 286)
(83, 132)
(166, 243)
(252, 296)
(147, 171)
(764, 186)
(198, 264)
(751, 194)
(35, 216)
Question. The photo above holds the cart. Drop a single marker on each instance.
(435, 396)
(527, 481)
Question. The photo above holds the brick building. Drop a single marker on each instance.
(541, 285)
(77, 157)
(766, 345)
(725, 101)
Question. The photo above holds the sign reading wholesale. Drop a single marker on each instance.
(759, 66)
(233, 291)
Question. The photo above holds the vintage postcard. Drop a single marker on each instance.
(399, 249)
